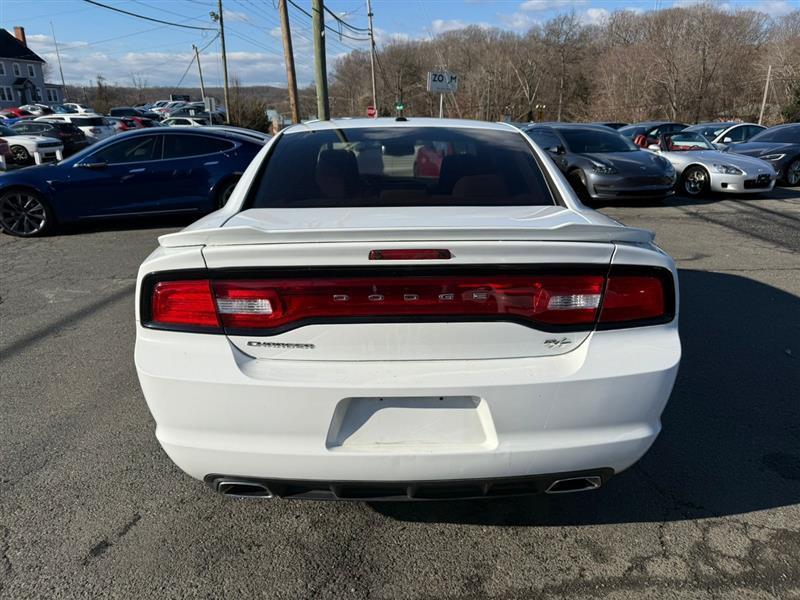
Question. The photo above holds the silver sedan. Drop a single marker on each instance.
(702, 168)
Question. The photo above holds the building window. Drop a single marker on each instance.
(31, 71)
(6, 95)
(38, 94)
(2, 68)
(15, 69)
(52, 95)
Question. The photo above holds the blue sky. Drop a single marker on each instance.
(94, 40)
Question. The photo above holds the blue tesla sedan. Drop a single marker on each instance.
(138, 173)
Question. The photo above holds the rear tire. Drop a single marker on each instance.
(24, 213)
(224, 193)
(792, 177)
(695, 182)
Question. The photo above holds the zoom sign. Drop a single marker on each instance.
(441, 82)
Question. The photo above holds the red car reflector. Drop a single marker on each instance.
(183, 303)
(633, 298)
(410, 254)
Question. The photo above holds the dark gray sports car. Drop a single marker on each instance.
(780, 146)
(601, 164)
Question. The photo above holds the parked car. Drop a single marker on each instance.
(69, 135)
(9, 116)
(63, 110)
(142, 172)
(198, 110)
(79, 108)
(122, 123)
(25, 148)
(184, 122)
(129, 111)
(780, 146)
(611, 124)
(37, 109)
(722, 134)
(646, 133)
(168, 107)
(601, 164)
(142, 122)
(93, 126)
(329, 334)
(702, 168)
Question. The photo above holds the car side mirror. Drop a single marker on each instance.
(727, 140)
(654, 147)
(93, 165)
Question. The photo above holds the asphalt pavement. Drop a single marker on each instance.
(90, 506)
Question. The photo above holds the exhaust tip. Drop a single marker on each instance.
(574, 484)
(242, 489)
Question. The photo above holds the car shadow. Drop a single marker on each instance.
(777, 193)
(730, 442)
(127, 224)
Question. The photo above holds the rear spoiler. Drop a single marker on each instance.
(246, 235)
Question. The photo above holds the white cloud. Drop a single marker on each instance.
(594, 16)
(444, 25)
(383, 36)
(517, 21)
(543, 5)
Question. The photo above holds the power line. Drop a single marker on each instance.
(138, 16)
(345, 23)
(339, 33)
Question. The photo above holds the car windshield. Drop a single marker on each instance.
(585, 141)
(400, 166)
(790, 134)
(7, 131)
(709, 131)
(89, 121)
(686, 141)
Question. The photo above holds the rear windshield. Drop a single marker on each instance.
(790, 134)
(586, 141)
(88, 121)
(421, 166)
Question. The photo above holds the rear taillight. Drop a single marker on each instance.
(183, 303)
(272, 305)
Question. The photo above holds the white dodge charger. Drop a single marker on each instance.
(405, 309)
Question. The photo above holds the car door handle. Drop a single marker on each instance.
(140, 170)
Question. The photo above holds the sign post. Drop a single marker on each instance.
(442, 82)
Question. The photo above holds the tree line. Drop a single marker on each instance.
(688, 64)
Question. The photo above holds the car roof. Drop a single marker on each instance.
(190, 131)
(391, 122)
(717, 124)
(556, 125)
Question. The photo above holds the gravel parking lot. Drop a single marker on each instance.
(91, 507)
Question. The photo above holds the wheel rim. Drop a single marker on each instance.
(226, 194)
(793, 173)
(19, 153)
(22, 213)
(695, 181)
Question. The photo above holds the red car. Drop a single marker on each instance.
(143, 121)
(15, 112)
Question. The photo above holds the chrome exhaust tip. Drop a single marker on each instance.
(574, 484)
(242, 489)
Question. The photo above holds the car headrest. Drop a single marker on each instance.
(337, 173)
(456, 167)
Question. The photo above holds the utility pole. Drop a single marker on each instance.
(764, 100)
(320, 70)
(200, 69)
(224, 61)
(372, 55)
(288, 57)
(58, 55)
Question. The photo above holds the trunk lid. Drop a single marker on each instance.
(334, 245)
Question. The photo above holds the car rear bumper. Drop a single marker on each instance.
(219, 411)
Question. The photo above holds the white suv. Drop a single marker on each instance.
(95, 127)
(410, 309)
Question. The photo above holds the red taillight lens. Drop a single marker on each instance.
(184, 303)
(277, 303)
(274, 305)
(633, 298)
